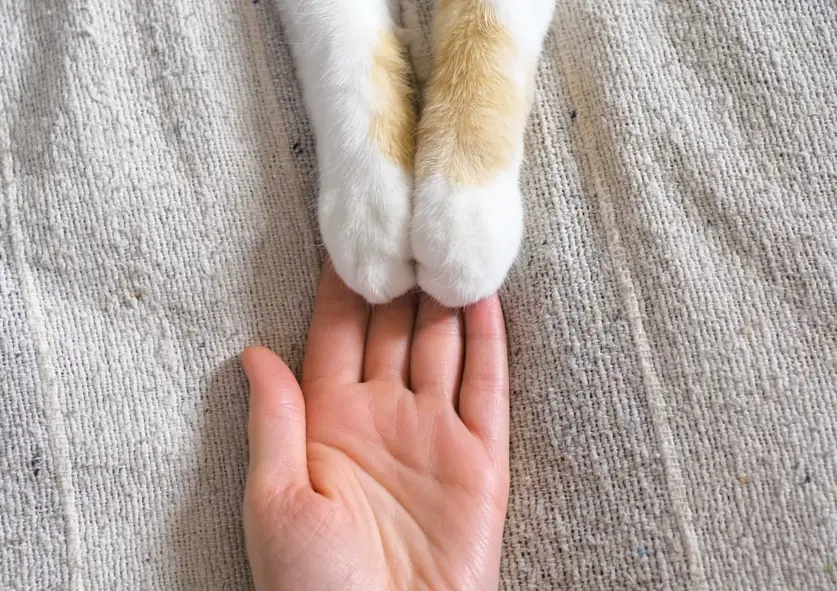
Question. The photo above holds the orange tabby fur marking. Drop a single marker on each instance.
(393, 128)
(473, 112)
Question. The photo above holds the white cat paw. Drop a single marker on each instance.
(465, 239)
(365, 227)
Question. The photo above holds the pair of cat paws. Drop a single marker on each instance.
(434, 203)
(456, 243)
(431, 198)
(427, 199)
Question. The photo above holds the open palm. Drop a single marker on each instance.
(391, 472)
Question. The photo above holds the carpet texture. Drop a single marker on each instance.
(672, 316)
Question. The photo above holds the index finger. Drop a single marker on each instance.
(337, 336)
(484, 395)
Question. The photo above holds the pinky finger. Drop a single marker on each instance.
(484, 396)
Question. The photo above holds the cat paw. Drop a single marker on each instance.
(465, 239)
(365, 228)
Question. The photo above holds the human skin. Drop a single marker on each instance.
(387, 467)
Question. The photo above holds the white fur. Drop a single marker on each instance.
(463, 239)
(364, 201)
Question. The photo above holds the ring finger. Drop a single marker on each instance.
(438, 350)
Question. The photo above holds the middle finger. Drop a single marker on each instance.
(388, 341)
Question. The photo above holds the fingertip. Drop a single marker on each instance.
(255, 355)
(262, 365)
(337, 334)
(437, 349)
(276, 417)
(484, 396)
(484, 319)
(249, 362)
(333, 289)
(388, 340)
(251, 355)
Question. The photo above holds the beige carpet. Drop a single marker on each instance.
(673, 314)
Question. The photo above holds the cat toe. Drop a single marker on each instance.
(465, 240)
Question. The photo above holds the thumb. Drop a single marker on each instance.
(276, 424)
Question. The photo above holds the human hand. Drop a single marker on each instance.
(388, 469)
